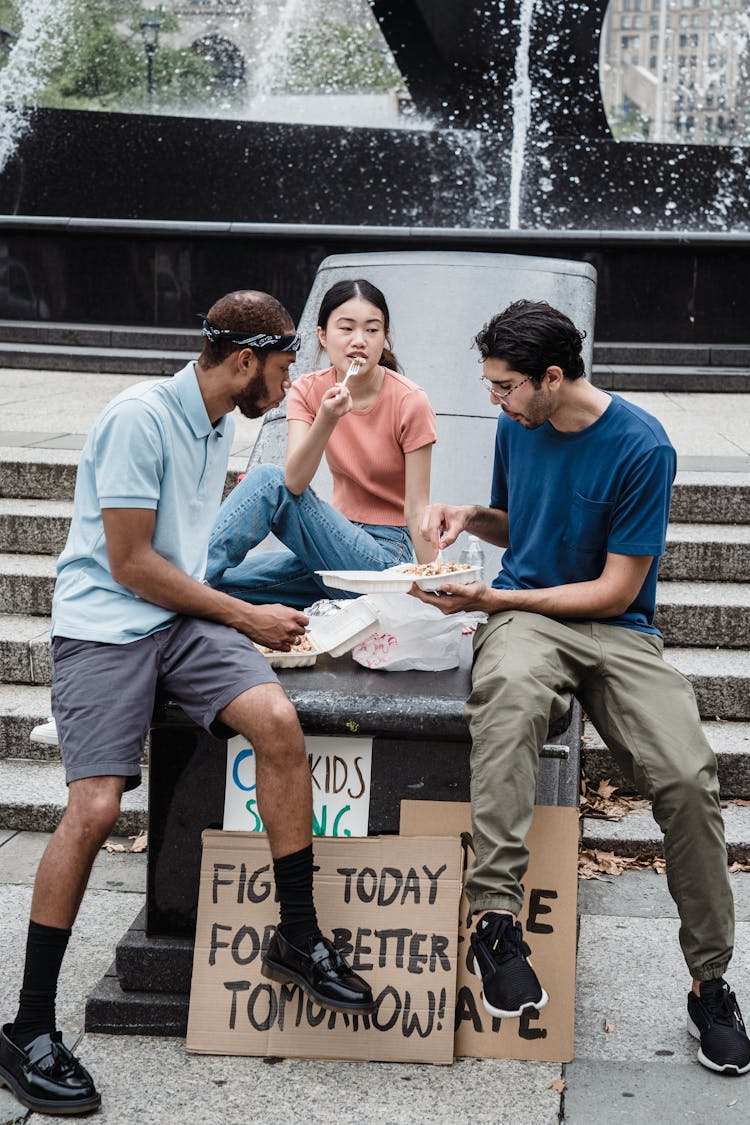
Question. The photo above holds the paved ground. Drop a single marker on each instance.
(630, 975)
(56, 409)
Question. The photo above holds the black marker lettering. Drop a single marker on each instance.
(537, 907)
(433, 881)
(217, 882)
(235, 986)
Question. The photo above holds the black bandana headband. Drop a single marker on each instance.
(261, 340)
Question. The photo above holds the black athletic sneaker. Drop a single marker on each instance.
(509, 984)
(716, 1020)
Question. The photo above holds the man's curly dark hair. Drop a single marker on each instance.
(532, 336)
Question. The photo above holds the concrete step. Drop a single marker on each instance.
(720, 679)
(695, 551)
(104, 361)
(669, 377)
(146, 361)
(639, 834)
(72, 334)
(43, 474)
(147, 350)
(25, 649)
(704, 613)
(730, 743)
(107, 336)
(50, 474)
(23, 707)
(26, 584)
(33, 797)
(678, 355)
(38, 527)
(711, 497)
(710, 552)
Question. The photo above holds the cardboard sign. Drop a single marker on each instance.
(390, 906)
(549, 929)
(340, 770)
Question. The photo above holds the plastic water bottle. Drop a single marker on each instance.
(473, 554)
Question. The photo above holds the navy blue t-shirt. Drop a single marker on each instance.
(573, 497)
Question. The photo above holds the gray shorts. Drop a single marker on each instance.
(103, 694)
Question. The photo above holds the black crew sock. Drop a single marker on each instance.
(45, 949)
(294, 883)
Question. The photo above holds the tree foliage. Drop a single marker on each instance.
(101, 63)
(97, 60)
(333, 57)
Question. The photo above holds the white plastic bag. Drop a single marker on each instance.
(410, 635)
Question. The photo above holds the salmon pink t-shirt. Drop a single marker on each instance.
(365, 452)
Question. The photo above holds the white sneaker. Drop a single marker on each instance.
(46, 733)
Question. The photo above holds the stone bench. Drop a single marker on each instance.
(420, 751)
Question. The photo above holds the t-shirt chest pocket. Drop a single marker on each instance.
(588, 524)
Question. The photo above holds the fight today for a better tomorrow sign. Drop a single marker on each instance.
(390, 905)
(340, 772)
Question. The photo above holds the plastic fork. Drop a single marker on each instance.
(354, 367)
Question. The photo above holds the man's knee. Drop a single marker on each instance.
(93, 808)
(688, 792)
(266, 717)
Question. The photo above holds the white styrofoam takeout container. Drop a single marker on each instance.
(392, 581)
(335, 634)
(290, 659)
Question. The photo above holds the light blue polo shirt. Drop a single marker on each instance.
(152, 447)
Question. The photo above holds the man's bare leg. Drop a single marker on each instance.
(297, 952)
(40, 1070)
(267, 718)
(63, 873)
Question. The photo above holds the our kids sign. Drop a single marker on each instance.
(340, 771)
(390, 905)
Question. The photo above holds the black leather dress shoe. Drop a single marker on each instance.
(321, 971)
(46, 1076)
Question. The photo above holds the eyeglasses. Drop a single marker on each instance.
(500, 395)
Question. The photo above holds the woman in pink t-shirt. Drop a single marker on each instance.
(376, 434)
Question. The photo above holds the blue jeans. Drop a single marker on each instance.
(315, 535)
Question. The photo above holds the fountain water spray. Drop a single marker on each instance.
(28, 64)
(286, 20)
(521, 100)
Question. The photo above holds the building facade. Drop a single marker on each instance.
(677, 70)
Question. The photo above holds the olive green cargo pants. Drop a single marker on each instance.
(526, 670)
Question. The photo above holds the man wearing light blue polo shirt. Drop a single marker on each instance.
(130, 612)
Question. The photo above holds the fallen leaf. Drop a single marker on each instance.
(140, 842)
(558, 1085)
(605, 790)
(114, 848)
(608, 1027)
(733, 1102)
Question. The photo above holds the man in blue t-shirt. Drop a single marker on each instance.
(580, 502)
(131, 611)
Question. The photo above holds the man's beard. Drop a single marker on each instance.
(255, 393)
